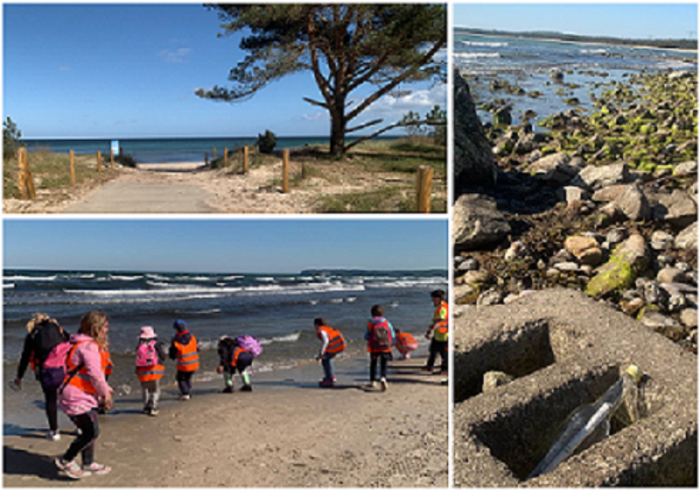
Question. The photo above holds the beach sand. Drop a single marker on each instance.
(287, 433)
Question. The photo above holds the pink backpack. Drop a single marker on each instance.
(54, 370)
(250, 344)
(146, 355)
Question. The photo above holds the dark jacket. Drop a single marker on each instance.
(54, 333)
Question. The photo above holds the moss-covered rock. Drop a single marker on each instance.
(629, 260)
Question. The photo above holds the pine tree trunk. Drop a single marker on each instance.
(338, 128)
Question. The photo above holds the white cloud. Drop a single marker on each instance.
(179, 55)
(317, 116)
(63, 68)
(394, 108)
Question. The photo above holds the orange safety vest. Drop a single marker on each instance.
(442, 324)
(81, 379)
(407, 340)
(236, 354)
(336, 342)
(187, 356)
(107, 361)
(149, 374)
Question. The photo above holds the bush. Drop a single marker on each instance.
(10, 137)
(125, 159)
(266, 142)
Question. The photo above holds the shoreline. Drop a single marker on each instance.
(585, 43)
(286, 433)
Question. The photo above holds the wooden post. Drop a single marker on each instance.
(213, 154)
(424, 187)
(245, 160)
(99, 161)
(21, 176)
(72, 167)
(111, 156)
(29, 178)
(225, 156)
(285, 171)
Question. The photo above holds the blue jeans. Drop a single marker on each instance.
(327, 362)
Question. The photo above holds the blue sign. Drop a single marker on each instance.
(115, 147)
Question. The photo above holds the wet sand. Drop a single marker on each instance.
(287, 433)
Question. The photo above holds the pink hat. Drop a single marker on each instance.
(147, 332)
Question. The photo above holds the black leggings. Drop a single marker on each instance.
(51, 403)
(85, 443)
(383, 359)
(184, 382)
(438, 348)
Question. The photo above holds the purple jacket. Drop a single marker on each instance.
(74, 401)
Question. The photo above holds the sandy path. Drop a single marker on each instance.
(297, 437)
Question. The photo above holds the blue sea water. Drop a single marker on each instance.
(165, 150)
(279, 309)
(527, 63)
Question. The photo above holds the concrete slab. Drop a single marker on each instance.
(565, 350)
(144, 198)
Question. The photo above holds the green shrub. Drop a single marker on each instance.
(266, 142)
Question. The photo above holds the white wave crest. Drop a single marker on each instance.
(125, 277)
(8, 285)
(593, 51)
(265, 279)
(289, 338)
(232, 277)
(477, 55)
(484, 43)
(29, 278)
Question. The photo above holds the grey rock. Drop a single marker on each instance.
(567, 267)
(689, 318)
(490, 297)
(616, 235)
(495, 379)
(661, 240)
(634, 203)
(594, 177)
(553, 169)
(678, 209)
(688, 237)
(670, 275)
(573, 193)
(474, 163)
(608, 193)
(663, 324)
(685, 167)
(469, 264)
(676, 303)
(477, 222)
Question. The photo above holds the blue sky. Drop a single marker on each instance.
(130, 70)
(640, 21)
(224, 246)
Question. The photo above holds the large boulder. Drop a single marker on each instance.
(477, 222)
(677, 208)
(474, 163)
(554, 169)
(634, 203)
(593, 177)
(688, 237)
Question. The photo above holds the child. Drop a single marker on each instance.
(83, 392)
(438, 330)
(332, 343)
(379, 337)
(149, 368)
(183, 348)
(405, 343)
(233, 357)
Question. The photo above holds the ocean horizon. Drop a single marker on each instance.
(169, 149)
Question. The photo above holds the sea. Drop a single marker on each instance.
(278, 309)
(167, 150)
(528, 63)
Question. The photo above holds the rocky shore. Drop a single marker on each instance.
(602, 201)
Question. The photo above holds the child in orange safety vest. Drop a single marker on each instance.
(332, 343)
(185, 351)
(379, 336)
(232, 358)
(438, 331)
(149, 368)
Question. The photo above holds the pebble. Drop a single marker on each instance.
(616, 235)
(689, 318)
(661, 240)
(670, 275)
(567, 266)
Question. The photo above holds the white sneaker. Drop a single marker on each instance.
(53, 436)
(371, 385)
(384, 384)
(185, 397)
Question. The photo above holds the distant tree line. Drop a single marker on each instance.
(691, 44)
